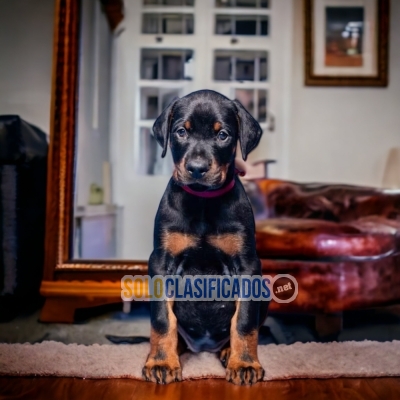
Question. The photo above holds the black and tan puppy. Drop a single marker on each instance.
(196, 235)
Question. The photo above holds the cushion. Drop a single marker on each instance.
(310, 239)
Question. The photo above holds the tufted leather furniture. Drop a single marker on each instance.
(340, 242)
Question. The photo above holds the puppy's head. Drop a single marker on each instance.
(202, 130)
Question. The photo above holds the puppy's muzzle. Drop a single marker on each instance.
(197, 168)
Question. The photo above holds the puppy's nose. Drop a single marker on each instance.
(197, 168)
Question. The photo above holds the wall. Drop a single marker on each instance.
(94, 99)
(343, 134)
(26, 43)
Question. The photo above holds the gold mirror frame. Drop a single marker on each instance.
(69, 284)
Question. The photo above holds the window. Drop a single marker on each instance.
(241, 25)
(154, 100)
(150, 161)
(170, 67)
(243, 3)
(240, 65)
(166, 64)
(149, 103)
(149, 147)
(255, 101)
(170, 24)
(168, 3)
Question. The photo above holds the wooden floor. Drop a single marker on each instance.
(73, 388)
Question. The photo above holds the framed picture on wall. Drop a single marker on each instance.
(346, 42)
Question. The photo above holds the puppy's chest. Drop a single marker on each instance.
(177, 242)
(199, 231)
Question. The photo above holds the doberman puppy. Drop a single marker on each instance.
(205, 225)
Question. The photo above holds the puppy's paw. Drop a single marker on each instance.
(244, 373)
(162, 371)
(224, 356)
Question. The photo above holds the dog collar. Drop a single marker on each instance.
(214, 193)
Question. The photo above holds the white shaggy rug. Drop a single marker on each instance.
(299, 360)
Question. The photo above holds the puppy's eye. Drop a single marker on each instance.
(222, 135)
(181, 132)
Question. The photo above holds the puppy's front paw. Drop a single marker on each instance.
(244, 373)
(163, 372)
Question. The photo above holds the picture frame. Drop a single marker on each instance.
(346, 42)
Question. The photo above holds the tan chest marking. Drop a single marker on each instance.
(229, 243)
(176, 242)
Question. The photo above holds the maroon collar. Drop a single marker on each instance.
(214, 193)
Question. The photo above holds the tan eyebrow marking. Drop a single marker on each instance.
(187, 125)
(217, 126)
(229, 243)
(177, 242)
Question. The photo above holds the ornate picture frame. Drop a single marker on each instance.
(346, 43)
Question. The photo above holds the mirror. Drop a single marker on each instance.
(162, 49)
(118, 63)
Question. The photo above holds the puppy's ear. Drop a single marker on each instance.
(249, 130)
(162, 126)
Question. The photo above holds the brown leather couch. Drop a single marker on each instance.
(340, 242)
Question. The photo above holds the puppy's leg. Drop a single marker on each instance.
(226, 351)
(243, 367)
(162, 365)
